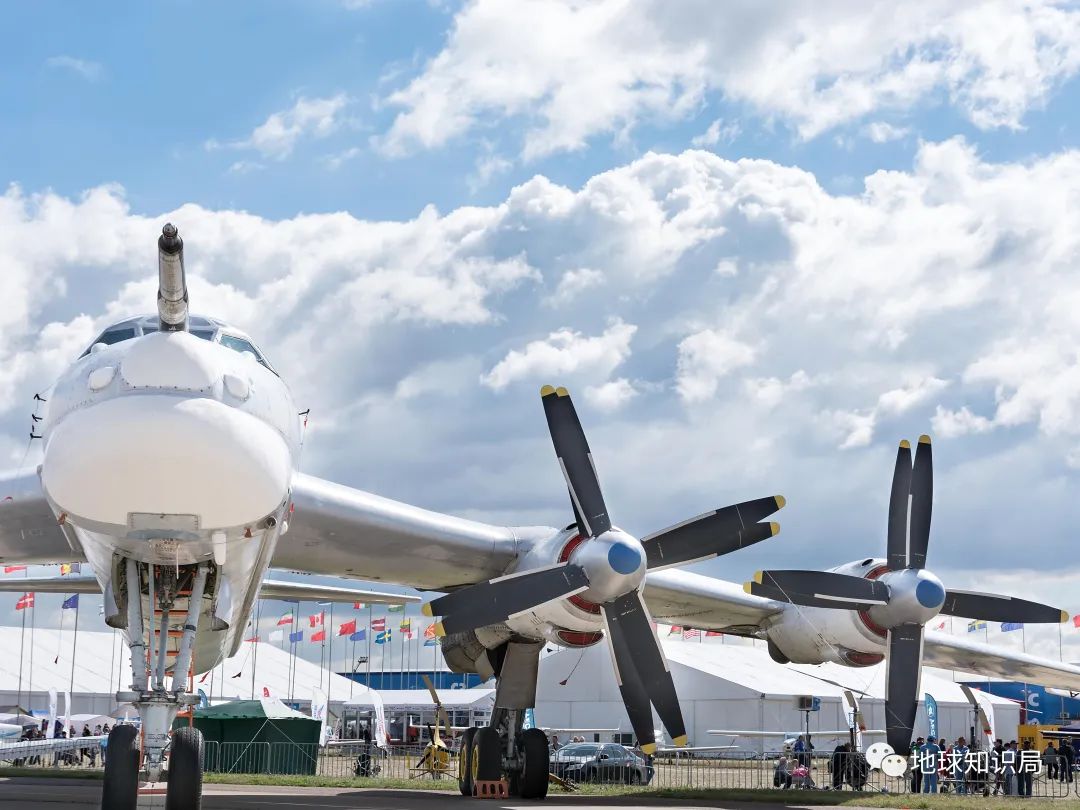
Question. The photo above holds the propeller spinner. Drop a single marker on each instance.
(906, 596)
(609, 569)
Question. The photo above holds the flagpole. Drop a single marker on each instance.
(22, 644)
(74, 646)
(370, 633)
(255, 635)
(330, 661)
(30, 688)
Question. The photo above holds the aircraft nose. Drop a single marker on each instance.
(170, 360)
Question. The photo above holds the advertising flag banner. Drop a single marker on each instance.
(931, 715)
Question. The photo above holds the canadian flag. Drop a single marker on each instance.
(316, 620)
(25, 601)
(266, 692)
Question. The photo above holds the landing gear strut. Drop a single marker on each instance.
(168, 592)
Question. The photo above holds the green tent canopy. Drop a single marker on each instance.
(257, 736)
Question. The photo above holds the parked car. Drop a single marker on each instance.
(600, 763)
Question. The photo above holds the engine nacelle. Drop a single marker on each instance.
(804, 635)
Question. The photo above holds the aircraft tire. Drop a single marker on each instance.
(486, 755)
(534, 776)
(120, 787)
(185, 770)
(465, 782)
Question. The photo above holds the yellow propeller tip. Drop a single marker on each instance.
(547, 390)
(775, 528)
(924, 439)
(905, 444)
(438, 629)
(1064, 616)
(426, 609)
(562, 392)
(781, 501)
(748, 587)
(648, 749)
(758, 576)
(680, 741)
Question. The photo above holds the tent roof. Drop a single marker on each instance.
(450, 698)
(263, 709)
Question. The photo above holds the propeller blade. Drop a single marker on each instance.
(498, 599)
(994, 608)
(755, 588)
(634, 695)
(576, 461)
(712, 534)
(635, 644)
(440, 712)
(828, 586)
(902, 674)
(898, 509)
(922, 497)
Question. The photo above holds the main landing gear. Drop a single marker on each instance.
(504, 756)
(174, 598)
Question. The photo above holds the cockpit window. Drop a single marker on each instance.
(205, 334)
(240, 345)
(112, 336)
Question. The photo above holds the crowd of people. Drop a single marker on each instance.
(77, 756)
(1008, 769)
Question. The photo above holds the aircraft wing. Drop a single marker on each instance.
(343, 532)
(29, 532)
(955, 652)
(691, 600)
(271, 589)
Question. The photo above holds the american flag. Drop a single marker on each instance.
(690, 634)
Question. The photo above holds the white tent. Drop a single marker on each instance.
(101, 669)
(736, 687)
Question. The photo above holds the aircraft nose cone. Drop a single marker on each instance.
(623, 558)
(930, 594)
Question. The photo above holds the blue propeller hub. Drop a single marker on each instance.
(915, 597)
(614, 563)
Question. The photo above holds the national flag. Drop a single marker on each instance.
(689, 634)
(266, 692)
(71, 603)
(358, 605)
(1076, 620)
(429, 631)
(347, 628)
(396, 608)
(712, 633)
(276, 636)
(431, 642)
(378, 625)
(383, 637)
(252, 639)
(70, 568)
(940, 625)
(319, 636)
(11, 569)
(976, 625)
(406, 628)
(674, 630)
(359, 635)
(286, 618)
(297, 636)
(1007, 627)
(316, 620)
(25, 601)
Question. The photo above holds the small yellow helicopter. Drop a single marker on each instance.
(435, 760)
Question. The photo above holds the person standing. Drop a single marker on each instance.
(1023, 770)
(837, 765)
(1050, 761)
(1068, 756)
(916, 772)
(929, 754)
(958, 760)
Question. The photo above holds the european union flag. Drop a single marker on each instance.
(1007, 626)
(359, 635)
(71, 602)
(297, 636)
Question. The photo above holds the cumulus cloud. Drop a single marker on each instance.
(718, 131)
(941, 296)
(278, 135)
(564, 352)
(572, 71)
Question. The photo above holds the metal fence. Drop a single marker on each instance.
(363, 764)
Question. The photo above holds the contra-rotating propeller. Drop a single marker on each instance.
(608, 569)
(905, 597)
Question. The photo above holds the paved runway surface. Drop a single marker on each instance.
(49, 794)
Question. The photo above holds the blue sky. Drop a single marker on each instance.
(875, 238)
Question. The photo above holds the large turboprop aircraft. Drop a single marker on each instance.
(894, 598)
(170, 466)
